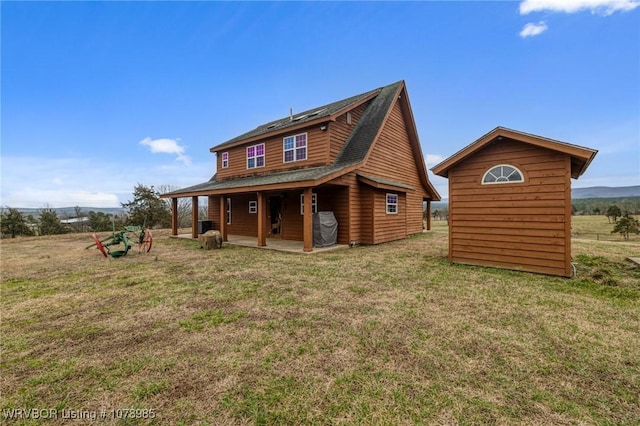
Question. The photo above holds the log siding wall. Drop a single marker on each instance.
(392, 158)
(524, 226)
(317, 155)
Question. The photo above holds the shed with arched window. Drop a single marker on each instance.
(510, 201)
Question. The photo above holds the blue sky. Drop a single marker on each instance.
(99, 96)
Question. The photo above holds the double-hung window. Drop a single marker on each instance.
(392, 203)
(225, 160)
(255, 156)
(295, 148)
(314, 203)
(253, 207)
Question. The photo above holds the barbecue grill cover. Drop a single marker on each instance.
(325, 229)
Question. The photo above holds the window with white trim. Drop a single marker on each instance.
(295, 148)
(253, 207)
(314, 203)
(228, 211)
(502, 173)
(255, 156)
(392, 203)
(225, 160)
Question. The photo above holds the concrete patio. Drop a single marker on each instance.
(272, 244)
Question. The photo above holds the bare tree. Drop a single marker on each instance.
(184, 206)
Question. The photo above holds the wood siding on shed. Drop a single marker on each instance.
(317, 155)
(522, 226)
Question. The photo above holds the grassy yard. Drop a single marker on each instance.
(389, 334)
(596, 228)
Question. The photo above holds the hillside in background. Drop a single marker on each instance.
(64, 212)
(606, 192)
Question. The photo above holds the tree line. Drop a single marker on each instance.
(599, 206)
(146, 209)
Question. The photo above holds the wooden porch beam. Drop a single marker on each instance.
(194, 217)
(223, 217)
(174, 216)
(307, 222)
(262, 220)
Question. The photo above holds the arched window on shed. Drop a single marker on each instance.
(502, 173)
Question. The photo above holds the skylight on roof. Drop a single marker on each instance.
(317, 112)
(300, 117)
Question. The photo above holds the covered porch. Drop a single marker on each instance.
(272, 244)
(275, 216)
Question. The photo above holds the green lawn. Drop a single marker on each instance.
(596, 228)
(389, 334)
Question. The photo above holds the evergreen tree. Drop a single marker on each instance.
(104, 222)
(613, 213)
(626, 225)
(13, 223)
(50, 223)
(147, 208)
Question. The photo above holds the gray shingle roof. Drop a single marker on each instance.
(292, 176)
(357, 145)
(300, 118)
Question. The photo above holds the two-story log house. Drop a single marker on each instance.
(359, 158)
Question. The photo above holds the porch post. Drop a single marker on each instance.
(428, 215)
(174, 216)
(307, 222)
(223, 217)
(194, 217)
(262, 221)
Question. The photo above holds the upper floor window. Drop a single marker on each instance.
(225, 160)
(392, 203)
(255, 156)
(503, 173)
(295, 148)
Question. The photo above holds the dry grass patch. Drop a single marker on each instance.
(391, 334)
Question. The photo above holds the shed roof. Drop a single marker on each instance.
(581, 156)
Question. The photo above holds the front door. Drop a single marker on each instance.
(275, 217)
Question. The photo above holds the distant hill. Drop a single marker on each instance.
(605, 192)
(71, 212)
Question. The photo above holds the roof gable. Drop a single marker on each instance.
(354, 153)
(581, 157)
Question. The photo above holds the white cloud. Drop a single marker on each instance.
(532, 30)
(433, 159)
(167, 146)
(33, 182)
(602, 7)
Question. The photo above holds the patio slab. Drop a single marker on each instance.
(272, 244)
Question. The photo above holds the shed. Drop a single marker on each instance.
(510, 201)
